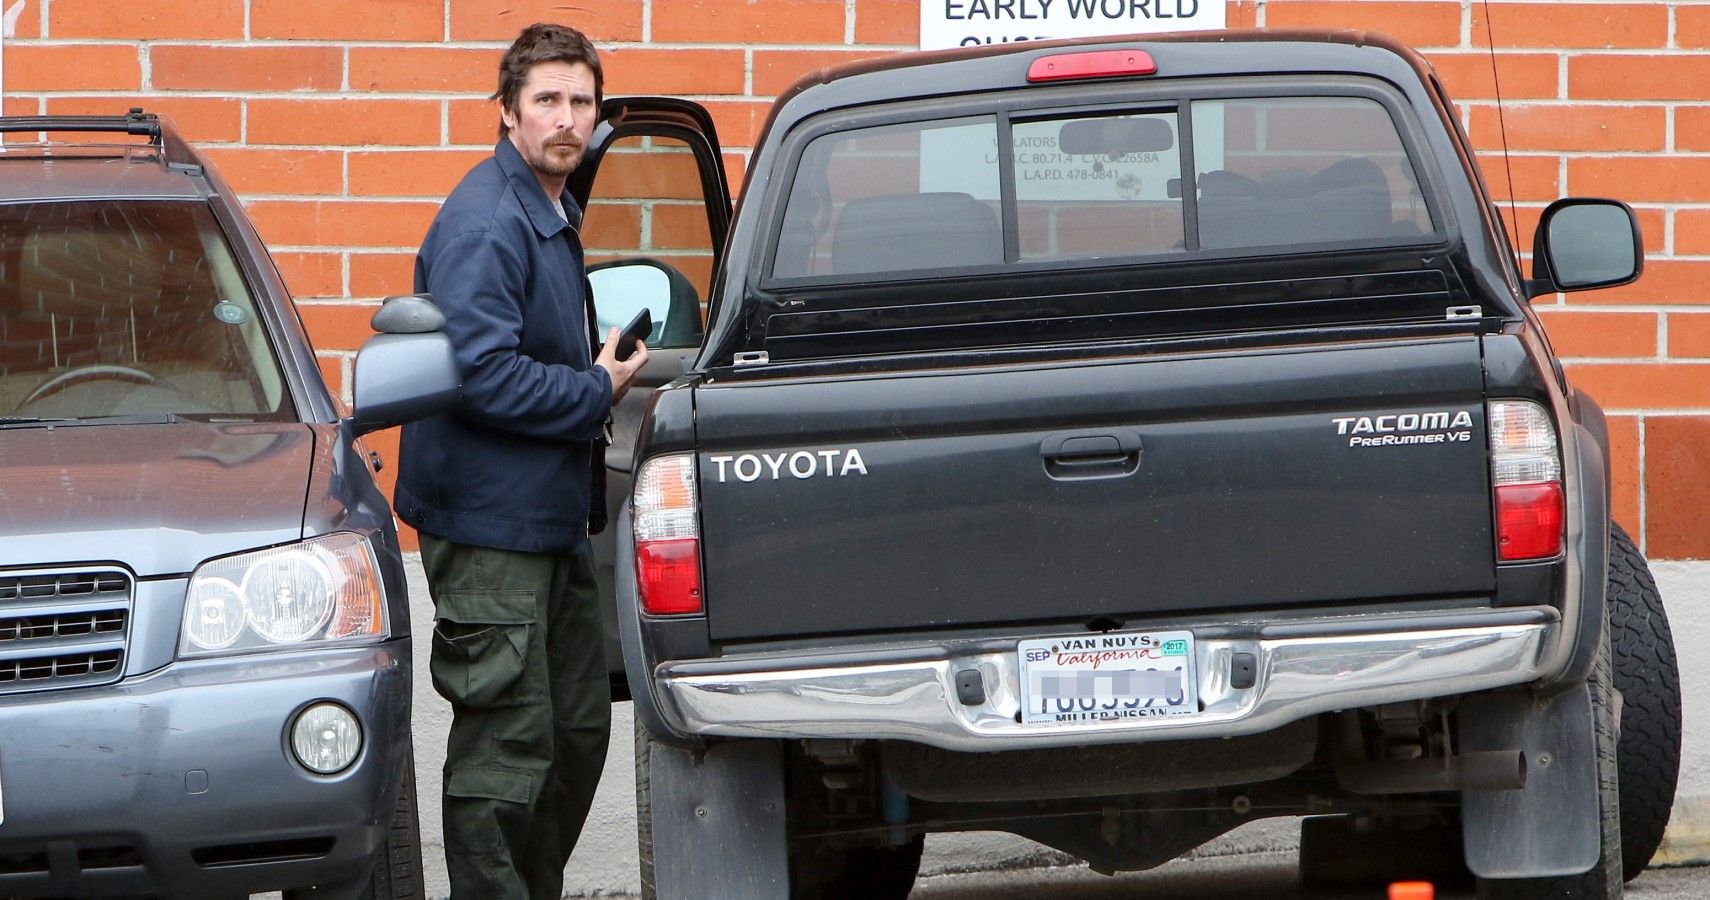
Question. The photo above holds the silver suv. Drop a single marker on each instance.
(204, 629)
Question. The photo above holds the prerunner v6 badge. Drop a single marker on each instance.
(1401, 429)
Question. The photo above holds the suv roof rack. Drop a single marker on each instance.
(134, 122)
(159, 132)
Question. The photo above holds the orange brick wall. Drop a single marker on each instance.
(343, 124)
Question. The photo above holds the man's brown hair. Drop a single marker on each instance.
(538, 43)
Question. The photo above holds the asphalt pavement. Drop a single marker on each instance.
(1267, 875)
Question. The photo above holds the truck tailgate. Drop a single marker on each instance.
(1075, 490)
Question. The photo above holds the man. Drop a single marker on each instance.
(501, 489)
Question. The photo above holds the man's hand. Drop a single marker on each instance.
(622, 373)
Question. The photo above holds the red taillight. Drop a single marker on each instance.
(667, 536)
(1526, 469)
(669, 575)
(1528, 521)
(1095, 64)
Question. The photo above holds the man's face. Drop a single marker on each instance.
(554, 116)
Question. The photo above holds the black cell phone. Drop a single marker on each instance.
(637, 330)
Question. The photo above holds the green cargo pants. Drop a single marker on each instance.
(517, 651)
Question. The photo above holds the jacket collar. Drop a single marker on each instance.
(527, 188)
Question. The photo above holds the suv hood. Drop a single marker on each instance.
(158, 498)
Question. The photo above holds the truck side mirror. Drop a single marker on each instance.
(407, 371)
(624, 287)
(1582, 244)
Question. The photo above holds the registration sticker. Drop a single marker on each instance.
(1107, 677)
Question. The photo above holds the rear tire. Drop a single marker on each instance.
(1603, 881)
(1648, 679)
(644, 810)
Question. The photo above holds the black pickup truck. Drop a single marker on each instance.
(1114, 442)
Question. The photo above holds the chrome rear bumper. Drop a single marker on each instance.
(909, 693)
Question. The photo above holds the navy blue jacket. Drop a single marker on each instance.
(510, 467)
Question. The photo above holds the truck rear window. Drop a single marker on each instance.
(121, 307)
(1266, 174)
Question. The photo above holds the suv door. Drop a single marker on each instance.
(656, 211)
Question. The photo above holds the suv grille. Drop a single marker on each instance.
(62, 629)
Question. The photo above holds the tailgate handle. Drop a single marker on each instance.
(1091, 454)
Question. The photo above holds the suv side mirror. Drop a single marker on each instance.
(405, 372)
(1582, 244)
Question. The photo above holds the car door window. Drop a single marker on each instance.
(648, 240)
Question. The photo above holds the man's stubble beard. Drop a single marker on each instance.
(546, 160)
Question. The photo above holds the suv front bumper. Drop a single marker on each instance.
(908, 692)
(181, 782)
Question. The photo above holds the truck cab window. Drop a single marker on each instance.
(1302, 170)
(1096, 187)
(899, 198)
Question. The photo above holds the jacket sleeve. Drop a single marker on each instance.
(478, 280)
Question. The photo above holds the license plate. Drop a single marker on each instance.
(1107, 677)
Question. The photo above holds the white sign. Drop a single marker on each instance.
(1042, 171)
(965, 159)
(967, 23)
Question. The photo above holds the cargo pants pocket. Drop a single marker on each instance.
(482, 809)
(480, 646)
(490, 784)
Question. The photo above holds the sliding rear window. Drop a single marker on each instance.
(1259, 175)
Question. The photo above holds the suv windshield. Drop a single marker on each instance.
(125, 307)
(1268, 174)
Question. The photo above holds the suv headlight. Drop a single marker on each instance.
(325, 590)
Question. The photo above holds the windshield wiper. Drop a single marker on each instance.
(63, 422)
(29, 421)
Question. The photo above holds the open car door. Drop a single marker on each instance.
(656, 209)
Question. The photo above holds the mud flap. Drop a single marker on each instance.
(718, 822)
(1549, 827)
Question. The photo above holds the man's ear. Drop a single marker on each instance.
(506, 116)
